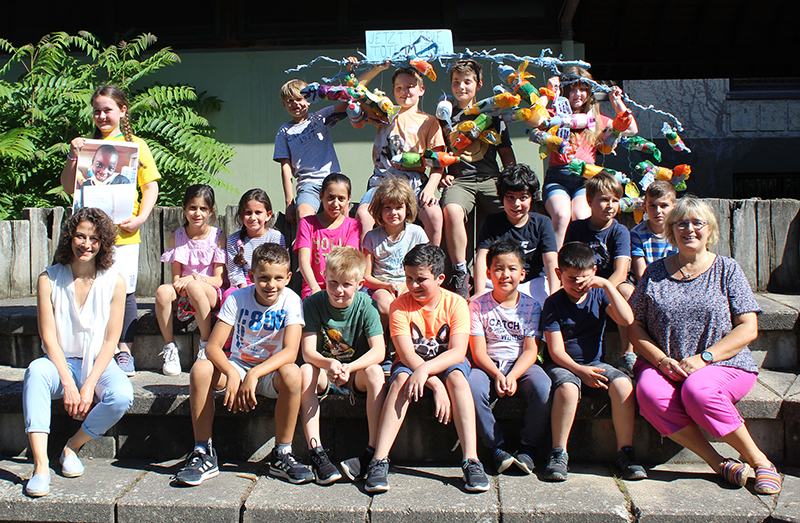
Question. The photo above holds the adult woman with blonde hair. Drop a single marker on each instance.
(695, 314)
(81, 302)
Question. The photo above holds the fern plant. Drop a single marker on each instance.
(45, 92)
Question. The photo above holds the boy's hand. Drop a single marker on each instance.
(441, 402)
(596, 282)
(344, 375)
(352, 62)
(334, 369)
(427, 197)
(231, 390)
(593, 377)
(554, 84)
(416, 384)
(246, 397)
(446, 181)
(505, 386)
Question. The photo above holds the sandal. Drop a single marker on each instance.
(768, 481)
(735, 472)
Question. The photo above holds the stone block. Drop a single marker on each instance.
(772, 115)
(423, 494)
(278, 501)
(779, 311)
(760, 402)
(689, 493)
(743, 115)
(793, 115)
(589, 494)
(147, 351)
(13, 441)
(787, 507)
(87, 499)
(155, 497)
(776, 349)
(792, 443)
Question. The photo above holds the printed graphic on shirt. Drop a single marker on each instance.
(429, 348)
(257, 334)
(602, 258)
(334, 347)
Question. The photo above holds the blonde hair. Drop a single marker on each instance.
(692, 207)
(291, 90)
(603, 183)
(393, 189)
(347, 262)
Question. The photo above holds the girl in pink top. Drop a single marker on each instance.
(318, 234)
(197, 254)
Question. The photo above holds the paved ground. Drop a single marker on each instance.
(128, 491)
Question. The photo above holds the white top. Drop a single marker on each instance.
(80, 332)
(505, 328)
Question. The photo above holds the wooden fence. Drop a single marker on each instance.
(763, 236)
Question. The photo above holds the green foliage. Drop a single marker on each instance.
(45, 93)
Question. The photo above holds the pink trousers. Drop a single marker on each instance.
(706, 398)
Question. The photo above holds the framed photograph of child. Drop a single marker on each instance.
(106, 177)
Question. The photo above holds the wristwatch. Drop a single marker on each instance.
(707, 356)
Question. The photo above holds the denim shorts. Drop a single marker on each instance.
(398, 368)
(559, 179)
(560, 375)
(308, 193)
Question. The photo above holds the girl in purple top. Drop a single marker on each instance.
(694, 317)
(318, 234)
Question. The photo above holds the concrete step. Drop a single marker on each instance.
(777, 346)
(123, 491)
(158, 425)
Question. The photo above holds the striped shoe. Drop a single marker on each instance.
(768, 481)
(735, 472)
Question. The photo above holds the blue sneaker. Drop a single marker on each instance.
(125, 362)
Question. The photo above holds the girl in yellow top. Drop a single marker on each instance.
(110, 114)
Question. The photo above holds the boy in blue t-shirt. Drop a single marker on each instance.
(648, 241)
(266, 321)
(504, 328)
(343, 337)
(573, 322)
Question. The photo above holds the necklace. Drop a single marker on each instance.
(689, 276)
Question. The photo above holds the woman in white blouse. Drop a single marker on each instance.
(81, 303)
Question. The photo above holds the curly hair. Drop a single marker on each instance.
(104, 228)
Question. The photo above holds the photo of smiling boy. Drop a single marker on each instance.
(266, 322)
(517, 187)
(342, 345)
(430, 331)
(504, 334)
(574, 323)
(412, 130)
(467, 187)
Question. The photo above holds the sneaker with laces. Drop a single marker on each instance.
(125, 362)
(557, 465)
(459, 283)
(354, 468)
(524, 459)
(628, 465)
(502, 459)
(377, 476)
(199, 467)
(201, 350)
(172, 361)
(325, 471)
(626, 363)
(475, 479)
(287, 467)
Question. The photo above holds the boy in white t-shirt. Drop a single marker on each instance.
(504, 328)
(266, 323)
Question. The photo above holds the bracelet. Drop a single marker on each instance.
(70, 158)
(661, 361)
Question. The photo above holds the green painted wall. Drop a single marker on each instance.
(248, 81)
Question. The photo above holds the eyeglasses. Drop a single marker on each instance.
(696, 224)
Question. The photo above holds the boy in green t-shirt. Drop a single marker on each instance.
(343, 336)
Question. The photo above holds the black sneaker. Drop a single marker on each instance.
(502, 460)
(524, 459)
(325, 471)
(628, 466)
(557, 465)
(287, 467)
(354, 468)
(199, 467)
(459, 283)
(475, 479)
(377, 476)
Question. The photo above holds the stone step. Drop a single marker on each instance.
(125, 491)
(158, 425)
(777, 346)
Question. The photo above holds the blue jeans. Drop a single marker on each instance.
(534, 384)
(114, 396)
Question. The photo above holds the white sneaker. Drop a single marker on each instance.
(201, 351)
(172, 360)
